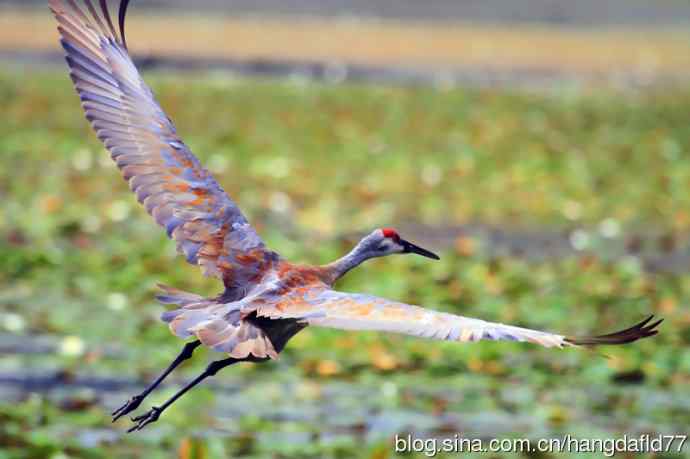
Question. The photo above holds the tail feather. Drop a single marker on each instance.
(218, 326)
(239, 339)
(172, 295)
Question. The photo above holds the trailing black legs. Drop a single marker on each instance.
(134, 402)
(214, 367)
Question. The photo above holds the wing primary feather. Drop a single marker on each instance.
(96, 18)
(637, 331)
(121, 21)
(106, 15)
(78, 11)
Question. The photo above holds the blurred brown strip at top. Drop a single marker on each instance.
(377, 42)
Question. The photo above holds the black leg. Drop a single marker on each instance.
(214, 367)
(134, 402)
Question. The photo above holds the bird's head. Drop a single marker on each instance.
(387, 241)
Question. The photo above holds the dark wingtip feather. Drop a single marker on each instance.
(638, 331)
(121, 20)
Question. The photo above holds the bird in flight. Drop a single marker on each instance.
(266, 299)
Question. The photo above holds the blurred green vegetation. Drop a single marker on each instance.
(309, 163)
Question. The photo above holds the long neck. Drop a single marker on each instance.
(342, 265)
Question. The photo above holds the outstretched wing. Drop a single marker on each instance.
(167, 178)
(351, 311)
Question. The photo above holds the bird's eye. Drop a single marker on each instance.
(382, 248)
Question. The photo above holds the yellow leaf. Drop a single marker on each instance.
(49, 204)
(382, 359)
(465, 246)
(327, 368)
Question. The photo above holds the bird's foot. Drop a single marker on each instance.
(129, 406)
(145, 419)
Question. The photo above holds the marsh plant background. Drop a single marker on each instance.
(565, 208)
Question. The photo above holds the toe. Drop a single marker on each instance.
(131, 405)
(145, 419)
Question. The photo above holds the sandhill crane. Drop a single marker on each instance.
(266, 299)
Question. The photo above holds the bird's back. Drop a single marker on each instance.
(239, 322)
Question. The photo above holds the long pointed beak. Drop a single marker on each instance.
(409, 247)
